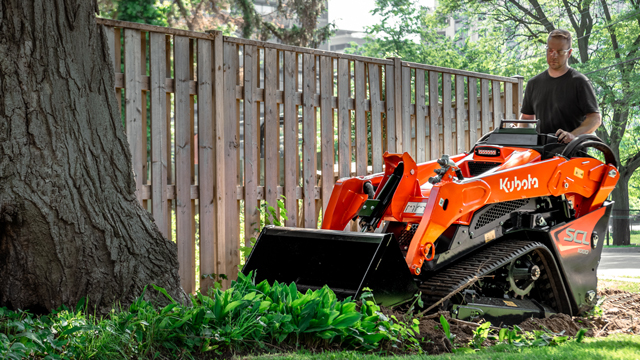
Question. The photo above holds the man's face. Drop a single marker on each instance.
(555, 59)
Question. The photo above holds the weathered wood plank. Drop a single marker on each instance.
(433, 114)
(271, 127)
(449, 71)
(376, 121)
(157, 66)
(184, 216)
(460, 114)
(361, 120)
(508, 100)
(447, 135)
(309, 158)
(144, 123)
(484, 108)
(326, 128)
(344, 120)
(406, 111)
(231, 123)
(472, 84)
(421, 131)
(397, 83)
(117, 34)
(251, 141)
(206, 163)
(517, 96)
(168, 133)
(219, 140)
(497, 103)
(290, 139)
(390, 96)
(134, 104)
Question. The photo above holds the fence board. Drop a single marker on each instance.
(397, 85)
(220, 143)
(421, 132)
(390, 108)
(251, 141)
(271, 127)
(433, 114)
(344, 120)
(447, 135)
(168, 132)
(472, 83)
(406, 111)
(497, 104)
(460, 113)
(508, 100)
(143, 122)
(517, 96)
(326, 128)
(309, 126)
(486, 112)
(133, 104)
(159, 159)
(361, 120)
(206, 164)
(184, 232)
(376, 121)
(230, 257)
(290, 139)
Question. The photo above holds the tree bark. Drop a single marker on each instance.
(70, 225)
(620, 214)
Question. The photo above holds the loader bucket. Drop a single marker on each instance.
(347, 262)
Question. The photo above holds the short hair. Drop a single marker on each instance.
(560, 34)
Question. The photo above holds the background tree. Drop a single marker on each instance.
(512, 37)
(70, 224)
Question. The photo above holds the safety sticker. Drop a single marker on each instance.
(491, 235)
(578, 172)
(510, 303)
(415, 207)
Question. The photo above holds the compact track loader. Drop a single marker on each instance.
(508, 231)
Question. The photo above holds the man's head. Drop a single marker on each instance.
(558, 49)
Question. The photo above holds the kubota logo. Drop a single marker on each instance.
(517, 185)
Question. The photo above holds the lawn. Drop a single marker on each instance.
(635, 239)
(612, 347)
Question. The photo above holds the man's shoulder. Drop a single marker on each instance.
(540, 77)
(577, 75)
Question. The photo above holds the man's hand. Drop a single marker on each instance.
(564, 136)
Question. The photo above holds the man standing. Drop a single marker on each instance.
(561, 97)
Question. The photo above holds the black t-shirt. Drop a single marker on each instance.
(559, 103)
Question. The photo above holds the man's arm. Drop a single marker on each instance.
(589, 125)
(526, 117)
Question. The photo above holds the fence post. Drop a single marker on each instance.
(397, 101)
(517, 96)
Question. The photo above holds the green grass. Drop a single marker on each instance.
(630, 286)
(612, 347)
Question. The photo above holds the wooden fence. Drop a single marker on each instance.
(218, 125)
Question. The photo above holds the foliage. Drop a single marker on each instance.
(246, 316)
(153, 12)
(480, 334)
(268, 216)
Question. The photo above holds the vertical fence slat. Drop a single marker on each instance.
(118, 62)
(271, 127)
(231, 256)
(184, 232)
(344, 120)
(447, 135)
(460, 112)
(361, 120)
(206, 164)
(484, 95)
(309, 126)
(157, 66)
(133, 104)
(406, 108)
(389, 100)
(326, 128)
(508, 100)
(397, 85)
(421, 132)
(497, 103)
(376, 121)
(472, 83)
(433, 114)
(290, 139)
(251, 136)
(168, 134)
(143, 71)
(220, 143)
(517, 96)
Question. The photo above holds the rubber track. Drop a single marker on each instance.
(460, 276)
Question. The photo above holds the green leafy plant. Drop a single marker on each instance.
(268, 216)
(447, 329)
(480, 334)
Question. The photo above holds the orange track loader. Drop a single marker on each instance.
(510, 230)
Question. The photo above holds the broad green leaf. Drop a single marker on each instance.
(164, 292)
(346, 320)
(231, 307)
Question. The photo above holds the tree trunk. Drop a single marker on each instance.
(620, 214)
(70, 225)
